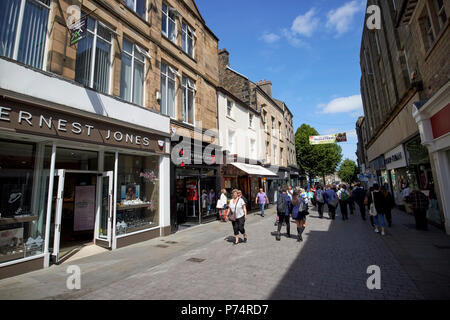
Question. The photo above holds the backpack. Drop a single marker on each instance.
(281, 204)
(344, 196)
(319, 197)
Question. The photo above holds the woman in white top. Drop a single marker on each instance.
(221, 204)
(238, 208)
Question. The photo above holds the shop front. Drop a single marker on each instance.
(248, 178)
(378, 168)
(69, 179)
(196, 185)
(432, 118)
(396, 174)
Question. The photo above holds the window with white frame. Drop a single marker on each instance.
(187, 42)
(267, 152)
(23, 30)
(279, 130)
(281, 156)
(132, 74)
(93, 60)
(189, 88)
(168, 91)
(168, 24)
(138, 6)
(231, 144)
(250, 120)
(229, 108)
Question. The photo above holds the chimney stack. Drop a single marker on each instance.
(224, 57)
(266, 86)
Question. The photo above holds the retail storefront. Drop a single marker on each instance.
(395, 161)
(432, 118)
(378, 168)
(248, 178)
(70, 178)
(196, 186)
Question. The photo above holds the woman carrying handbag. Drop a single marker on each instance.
(237, 216)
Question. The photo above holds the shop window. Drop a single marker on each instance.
(138, 193)
(73, 159)
(26, 41)
(137, 6)
(187, 36)
(23, 202)
(168, 91)
(93, 59)
(188, 87)
(168, 24)
(132, 73)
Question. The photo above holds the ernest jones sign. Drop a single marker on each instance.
(44, 122)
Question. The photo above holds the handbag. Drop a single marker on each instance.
(372, 210)
(232, 215)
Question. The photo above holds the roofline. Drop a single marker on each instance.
(240, 74)
(267, 96)
(225, 91)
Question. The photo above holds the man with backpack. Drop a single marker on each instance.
(320, 201)
(284, 206)
(359, 194)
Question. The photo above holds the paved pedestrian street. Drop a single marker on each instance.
(200, 263)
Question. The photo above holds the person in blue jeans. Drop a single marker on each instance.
(261, 199)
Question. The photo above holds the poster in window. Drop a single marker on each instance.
(191, 190)
(84, 214)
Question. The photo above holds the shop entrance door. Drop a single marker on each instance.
(83, 201)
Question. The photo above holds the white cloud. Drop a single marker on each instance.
(341, 18)
(351, 134)
(305, 24)
(293, 39)
(270, 37)
(342, 105)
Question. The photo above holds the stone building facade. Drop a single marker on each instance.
(403, 65)
(276, 122)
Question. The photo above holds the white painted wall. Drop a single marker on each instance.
(36, 86)
(239, 123)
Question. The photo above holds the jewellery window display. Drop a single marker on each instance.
(138, 194)
(21, 217)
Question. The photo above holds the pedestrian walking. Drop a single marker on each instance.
(277, 194)
(351, 201)
(204, 201)
(222, 205)
(359, 195)
(389, 203)
(290, 192)
(284, 207)
(212, 201)
(377, 211)
(261, 199)
(419, 203)
(240, 195)
(320, 201)
(332, 201)
(299, 212)
(343, 197)
(238, 216)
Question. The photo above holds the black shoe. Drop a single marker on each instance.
(245, 240)
(288, 235)
(299, 238)
(278, 237)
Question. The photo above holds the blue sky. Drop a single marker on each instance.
(308, 49)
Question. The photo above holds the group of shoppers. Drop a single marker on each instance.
(377, 201)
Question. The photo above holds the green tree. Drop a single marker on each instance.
(348, 171)
(315, 160)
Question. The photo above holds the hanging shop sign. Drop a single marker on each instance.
(328, 139)
(44, 122)
(395, 158)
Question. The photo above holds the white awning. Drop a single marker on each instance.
(254, 170)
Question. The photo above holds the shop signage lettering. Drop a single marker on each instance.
(28, 119)
(393, 158)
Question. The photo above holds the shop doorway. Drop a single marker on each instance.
(82, 212)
